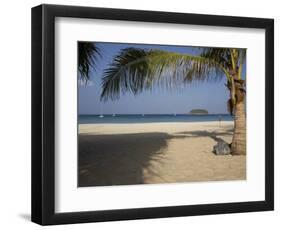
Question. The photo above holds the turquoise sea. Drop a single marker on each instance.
(150, 118)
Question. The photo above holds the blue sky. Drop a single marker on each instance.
(207, 95)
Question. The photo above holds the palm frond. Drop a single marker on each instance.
(220, 55)
(223, 56)
(88, 54)
(134, 70)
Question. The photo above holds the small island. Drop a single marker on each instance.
(198, 112)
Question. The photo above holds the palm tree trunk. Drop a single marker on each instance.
(238, 145)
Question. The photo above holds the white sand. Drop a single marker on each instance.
(114, 154)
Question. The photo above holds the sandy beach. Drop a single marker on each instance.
(149, 153)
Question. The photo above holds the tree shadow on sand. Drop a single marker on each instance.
(216, 136)
(117, 159)
(120, 159)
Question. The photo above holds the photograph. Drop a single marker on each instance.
(142, 113)
(155, 114)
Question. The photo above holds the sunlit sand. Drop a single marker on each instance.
(148, 153)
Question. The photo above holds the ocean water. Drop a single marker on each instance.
(147, 118)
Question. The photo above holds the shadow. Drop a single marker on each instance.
(118, 159)
(25, 216)
(214, 135)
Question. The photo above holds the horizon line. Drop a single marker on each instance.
(152, 114)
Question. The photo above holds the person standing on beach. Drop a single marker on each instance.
(220, 118)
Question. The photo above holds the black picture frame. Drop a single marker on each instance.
(43, 114)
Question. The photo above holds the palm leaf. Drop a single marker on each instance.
(88, 53)
(220, 55)
(134, 70)
(223, 56)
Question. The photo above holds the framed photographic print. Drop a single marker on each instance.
(141, 114)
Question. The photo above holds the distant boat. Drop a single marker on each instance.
(113, 114)
(101, 116)
(175, 114)
(143, 115)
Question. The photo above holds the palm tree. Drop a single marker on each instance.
(88, 53)
(134, 70)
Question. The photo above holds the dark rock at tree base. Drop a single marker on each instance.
(222, 148)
